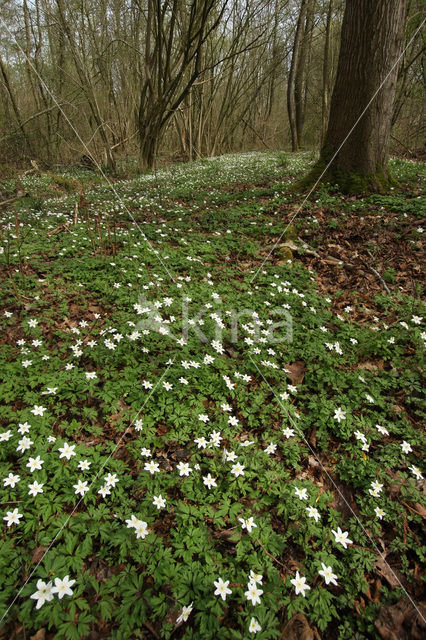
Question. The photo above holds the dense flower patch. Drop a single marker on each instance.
(193, 442)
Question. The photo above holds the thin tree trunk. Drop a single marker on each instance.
(300, 88)
(15, 106)
(326, 73)
(291, 102)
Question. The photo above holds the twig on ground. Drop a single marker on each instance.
(376, 273)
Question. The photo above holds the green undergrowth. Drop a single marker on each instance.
(181, 418)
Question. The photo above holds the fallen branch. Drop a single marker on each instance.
(10, 200)
(376, 273)
(62, 227)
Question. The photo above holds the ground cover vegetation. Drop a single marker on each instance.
(172, 462)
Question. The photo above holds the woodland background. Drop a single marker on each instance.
(95, 81)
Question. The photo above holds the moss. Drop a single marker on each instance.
(290, 233)
(355, 183)
(67, 184)
(285, 254)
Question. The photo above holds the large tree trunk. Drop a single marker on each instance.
(371, 42)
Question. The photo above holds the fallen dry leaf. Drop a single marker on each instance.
(296, 371)
(385, 571)
(402, 621)
(37, 554)
(369, 365)
(297, 628)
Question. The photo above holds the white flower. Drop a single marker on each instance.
(255, 577)
(5, 436)
(328, 575)
(379, 513)
(84, 465)
(406, 447)
(159, 502)
(299, 582)
(382, 430)
(313, 513)
(254, 626)
(81, 487)
(167, 386)
(24, 444)
(201, 443)
(416, 472)
(222, 588)
(339, 414)
(184, 469)
(289, 433)
(11, 480)
(90, 375)
(184, 615)
(302, 494)
(63, 587)
(105, 491)
(416, 319)
(376, 489)
(67, 451)
(38, 410)
(360, 436)
(253, 593)
(341, 537)
(32, 323)
(35, 488)
(138, 425)
(209, 481)
(34, 463)
(238, 470)
(141, 529)
(247, 523)
(271, 448)
(111, 479)
(12, 517)
(215, 438)
(152, 467)
(133, 522)
(43, 593)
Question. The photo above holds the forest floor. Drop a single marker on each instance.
(212, 409)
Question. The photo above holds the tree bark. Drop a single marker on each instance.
(15, 107)
(291, 98)
(326, 73)
(300, 81)
(371, 42)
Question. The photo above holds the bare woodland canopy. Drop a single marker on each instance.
(178, 78)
